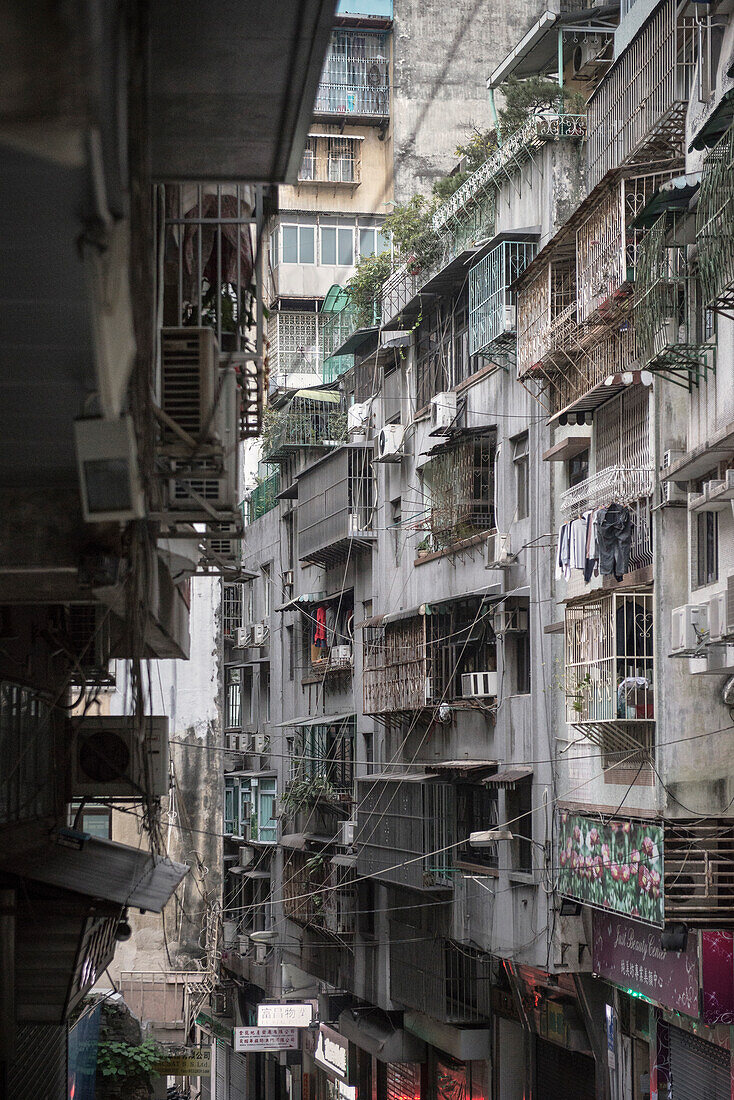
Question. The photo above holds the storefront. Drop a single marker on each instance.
(698, 1070)
(390, 1060)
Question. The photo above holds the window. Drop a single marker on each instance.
(298, 244)
(522, 663)
(248, 615)
(233, 702)
(95, 819)
(231, 609)
(373, 242)
(265, 695)
(707, 547)
(274, 248)
(578, 469)
(518, 807)
(337, 245)
(340, 160)
(267, 826)
(266, 591)
(520, 459)
(476, 811)
(231, 806)
(290, 642)
(308, 164)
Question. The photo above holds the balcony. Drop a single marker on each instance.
(492, 321)
(336, 506)
(450, 982)
(610, 671)
(397, 291)
(294, 350)
(355, 81)
(637, 114)
(263, 498)
(546, 314)
(715, 224)
(320, 894)
(459, 490)
(338, 322)
(311, 419)
(670, 335)
(631, 485)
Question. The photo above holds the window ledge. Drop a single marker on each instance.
(454, 547)
(476, 868)
(523, 878)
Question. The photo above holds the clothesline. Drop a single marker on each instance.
(597, 541)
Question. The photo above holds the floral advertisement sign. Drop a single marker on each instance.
(618, 865)
(630, 955)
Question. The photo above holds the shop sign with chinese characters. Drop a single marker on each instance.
(614, 865)
(284, 1015)
(630, 955)
(265, 1038)
(194, 1063)
(332, 1052)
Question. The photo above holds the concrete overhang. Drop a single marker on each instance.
(464, 1043)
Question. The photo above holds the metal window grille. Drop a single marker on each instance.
(699, 872)
(340, 901)
(394, 667)
(610, 669)
(546, 307)
(331, 160)
(293, 345)
(491, 306)
(325, 752)
(233, 701)
(355, 77)
(304, 880)
(406, 829)
(304, 423)
(451, 981)
(264, 497)
(637, 114)
(336, 507)
(232, 604)
(460, 488)
(27, 749)
(715, 224)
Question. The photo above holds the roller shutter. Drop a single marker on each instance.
(403, 1081)
(698, 1070)
(563, 1073)
(237, 1076)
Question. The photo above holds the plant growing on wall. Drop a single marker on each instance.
(307, 792)
(116, 1058)
(365, 285)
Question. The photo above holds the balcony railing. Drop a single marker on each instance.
(637, 114)
(397, 291)
(264, 497)
(715, 224)
(336, 501)
(546, 315)
(491, 305)
(353, 99)
(344, 167)
(610, 668)
(616, 483)
(314, 421)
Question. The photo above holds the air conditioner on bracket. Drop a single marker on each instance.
(346, 831)
(241, 637)
(479, 685)
(109, 761)
(389, 443)
(443, 411)
(672, 495)
(689, 625)
(513, 620)
(717, 617)
(340, 654)
(258, 634)
(498, 551)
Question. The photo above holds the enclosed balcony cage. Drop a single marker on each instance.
(355, 80)
(232, 608)
(670, 321)
(336, 501)
(294, 349)
(610, 687)
(320, 894)
(450, 981)
(458, 489)
(324, 751)
(546, 313)
(331, 160)
(699, 872)
(28, 736)
(338, 319)
(264, 497)
(715, 225)
(491, 302)
(423, 660)
(312, 418)
(637, 113)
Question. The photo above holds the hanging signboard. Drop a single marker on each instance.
(630, 955)
(193, 1063)
(332, 1052)
(284, 1015)
(615, 865)
(265, 1038)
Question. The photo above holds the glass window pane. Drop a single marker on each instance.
(366, 242)
(383, 242)
(290, 244)
(308, 249)
(328, 244)
(274, 248)
(346, 247)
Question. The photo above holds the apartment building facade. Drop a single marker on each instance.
(488, 648)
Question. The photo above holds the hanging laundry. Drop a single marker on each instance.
(614, 539)
(319, 637)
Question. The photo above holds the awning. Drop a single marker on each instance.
(537, 52)
(462, 765)
(100, 869)
(316, 720)
(374, 1031)
(394, 777)
(507, 777)
(567, 448)
(674, 194)
(488, 591)
(716, 124)
(329, 397)
(308, 599)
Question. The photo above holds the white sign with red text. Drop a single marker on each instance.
(265, 1038)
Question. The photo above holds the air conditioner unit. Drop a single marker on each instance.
(259, 743)
(261, 952)
(213, 479)
(671, 494)
(247, 855)
(340, 654)
(479, 685)
(241, 637)
(196, 394)
(428, 689)
(88, 628)
(389, 443)
(443, 411)
(586, 55)
(219, 1003)
(107, 463)
(498, 551)
(689, 628)
(717, 617)
(287, 578)
(258, 634)
(513, 620)
(346, 833)
(358, 416)
(721, 492)
(109, 761)
(669, 457)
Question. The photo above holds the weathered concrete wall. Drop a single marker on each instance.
(442, 56)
